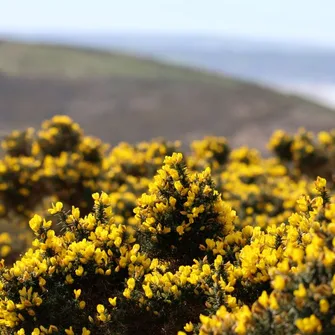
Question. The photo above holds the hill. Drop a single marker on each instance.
(120, 97)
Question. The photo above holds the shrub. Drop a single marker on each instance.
(145, 239)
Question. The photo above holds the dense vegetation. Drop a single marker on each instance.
(143, 238)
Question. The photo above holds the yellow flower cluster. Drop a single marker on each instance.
(92, 250)
(145, 239)
(210, 151)
(18, 143)
(181, 206)
(57, 135)
(55, 158)
(310, 154)
(301, 272)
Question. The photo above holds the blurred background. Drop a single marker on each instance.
(133, 70)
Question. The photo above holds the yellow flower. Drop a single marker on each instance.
(325, 138)
(324, 306)
(178, 186)
(47, 224)
(210, 244)
(77, 293)
(96, 196)
(100, 308)
(231, 301)
(297, 255)
(85, 331)
(35, 223)
(273, 302)
(206, 269)
(56, 208)
(309, 325)
(147, 291)
(301, 292)
(320, 186)
(180, 229)
(278, 283)
(69, 331)
(118, 241)
(75, 213)
(79, 272)
(131, 283)
(240, 329)
(69, 279)
(172, 201)
(112, 301)
(302, 203)
(10, 306)
(218, 261)
(189, 327)
(104, 198)
(127, 293)
(264, 299)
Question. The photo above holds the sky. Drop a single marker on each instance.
(306, 21)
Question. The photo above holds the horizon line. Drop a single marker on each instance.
(295, 43)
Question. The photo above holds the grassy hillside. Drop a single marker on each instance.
(120, 97)
(60, 61)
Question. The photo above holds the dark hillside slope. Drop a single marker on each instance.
(123, 98)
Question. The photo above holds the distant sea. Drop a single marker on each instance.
(291, 68)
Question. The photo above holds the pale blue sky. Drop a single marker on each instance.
(310, 21)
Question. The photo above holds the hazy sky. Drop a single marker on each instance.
(310, 21)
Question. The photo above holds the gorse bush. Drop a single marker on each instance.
(180, 211)
(141, 239)
(306, 153)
